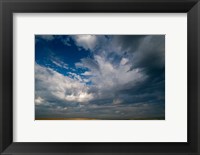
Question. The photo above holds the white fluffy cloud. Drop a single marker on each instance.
(54, 84)
(88, 42)
(39, 100)
(109, 78)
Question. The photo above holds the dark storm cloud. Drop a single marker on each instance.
(127, 43)
(148, 54)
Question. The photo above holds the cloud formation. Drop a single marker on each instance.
(88, 42)
(53, 85)
(46, 37)
(110, 77)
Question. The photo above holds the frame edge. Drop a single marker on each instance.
(1, 79)
(198, 50)
(3, 145)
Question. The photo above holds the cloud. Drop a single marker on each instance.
(117, 101)
(133, 68)
(107, 79)
(151, 52)
(122, 77)
(87, 63)
(124, 61)
(147, 52)
(39, 100)
(56, 63)
(62, 38)
(51, 85)
(88, 42)
(59, 63)
(46, 37)
(75, 76)
(126, 43)
(87, 73)
(66, 41)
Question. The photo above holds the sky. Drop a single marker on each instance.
(108, 77)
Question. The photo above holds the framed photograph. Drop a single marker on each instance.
(99, 77)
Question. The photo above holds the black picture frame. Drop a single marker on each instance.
(8, 7)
